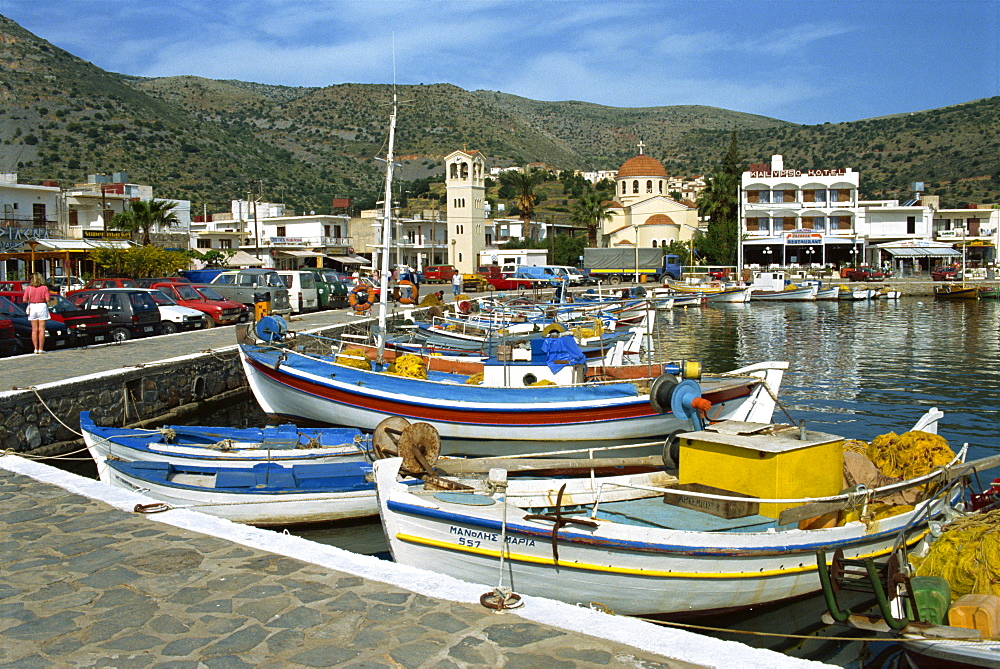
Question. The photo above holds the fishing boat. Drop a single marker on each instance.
(989, 292)
(540, 399)
(946, 614)
(804, 294)
(887, 294)
(829, 293)
(267, 494)
(855, 293)
(221, 446)
(950, 292)
(736, 528)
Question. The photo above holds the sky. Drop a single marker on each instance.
(811, 61)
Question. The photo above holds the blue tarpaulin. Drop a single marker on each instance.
(562, 351)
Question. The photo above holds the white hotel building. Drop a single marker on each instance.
(813, 219)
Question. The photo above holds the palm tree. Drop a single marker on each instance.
(143, 215)
(591, 211)
(524, 184)
(719, 202)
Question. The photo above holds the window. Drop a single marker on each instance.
(911, 225)
(777, 196)
(624, 188)
(38, 213)
(204, 243)
(819, 223)
(225, 243)
(764, 196)
(820, 194)
(635, 186)
(654, 243)
(844, 195)
(649, 186)
(454, 170)
(281, 231)
(74, 217)
(661, 187)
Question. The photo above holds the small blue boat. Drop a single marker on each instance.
(222, 446)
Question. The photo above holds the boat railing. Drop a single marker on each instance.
(860, 494)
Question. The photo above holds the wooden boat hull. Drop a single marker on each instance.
(825, 294)
(628, 569)
(310, 389)
(729, 296)
(956, 293)
(258, 496)
(204, 446)
(795, 295)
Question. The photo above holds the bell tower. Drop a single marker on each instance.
(465, 183)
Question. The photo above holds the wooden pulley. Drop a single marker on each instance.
(385, 439)
(419, 445)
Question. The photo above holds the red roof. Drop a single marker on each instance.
(642, 166)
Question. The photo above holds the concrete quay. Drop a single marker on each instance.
(87, 582)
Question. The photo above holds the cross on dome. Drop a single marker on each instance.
(641, 146)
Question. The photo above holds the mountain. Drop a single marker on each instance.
(210, 141)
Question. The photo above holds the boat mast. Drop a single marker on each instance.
(383, 302)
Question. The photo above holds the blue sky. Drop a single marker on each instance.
(809, 61)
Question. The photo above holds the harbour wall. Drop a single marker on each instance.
(44, 419)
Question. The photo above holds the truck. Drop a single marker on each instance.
(244, 285)
(615, 265)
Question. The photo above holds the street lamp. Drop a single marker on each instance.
(767, 256)
(810, 253)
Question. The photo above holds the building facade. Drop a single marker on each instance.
(465, 185)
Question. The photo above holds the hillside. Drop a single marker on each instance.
(210, 141)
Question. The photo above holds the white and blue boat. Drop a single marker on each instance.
(266, 495)
(184, 445)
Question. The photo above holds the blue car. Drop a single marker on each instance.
(57, 335)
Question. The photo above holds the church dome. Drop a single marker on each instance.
(660, 219)
(641, 166)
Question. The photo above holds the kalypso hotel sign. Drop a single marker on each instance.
(765, 174)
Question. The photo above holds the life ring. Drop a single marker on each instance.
(464, 307)
(360, 298)
(406, 292)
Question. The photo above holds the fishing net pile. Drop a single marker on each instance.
(411, 366)
(475, 380)
(430, 300)
(967, 555)
(904, 456)
(353, 357)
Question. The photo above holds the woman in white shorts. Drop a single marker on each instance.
(36, 296)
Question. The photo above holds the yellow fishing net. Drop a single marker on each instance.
(411, 366)
(543, 382)
(475, 379)
(910, 454)
(352, 357)
(430, 300)
(967, 555)
(583, 333)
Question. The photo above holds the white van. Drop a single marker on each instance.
(302, 293)
(576, 277)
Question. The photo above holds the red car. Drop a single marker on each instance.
(439, 273)
(8, 339)
(219, 310)
(90, 326)
(863, 273)
(97, 284)
(944, 274)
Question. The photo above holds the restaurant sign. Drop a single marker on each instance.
(798, 238)
(13, 238)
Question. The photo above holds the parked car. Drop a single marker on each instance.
(439, 273)
(503, 281)
(173, 316)
(8, 338)
(944, 274)
(64, 284)
(89, 326)
(245, 285)
(302, 292)
(863, 273)
(133, 312)
(98, 284)
(217, 310)
(148, 283)
(57, 335)
(331, 287)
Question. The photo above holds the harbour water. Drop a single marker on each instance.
(858, 369)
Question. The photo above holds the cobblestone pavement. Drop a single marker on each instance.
(83, 584)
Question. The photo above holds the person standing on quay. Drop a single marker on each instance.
(456, 284)
(36, 296)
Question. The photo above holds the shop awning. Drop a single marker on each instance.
(920, 252)
(80, 245)
(243, 259)
(349, 260)
(296, 253)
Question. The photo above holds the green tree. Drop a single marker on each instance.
(143, 215)
(591, 212)
(139, 263)
(524, 186)
(719, 202)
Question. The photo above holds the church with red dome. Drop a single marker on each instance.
(643, 212)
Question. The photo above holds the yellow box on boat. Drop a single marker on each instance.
(764, 461)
